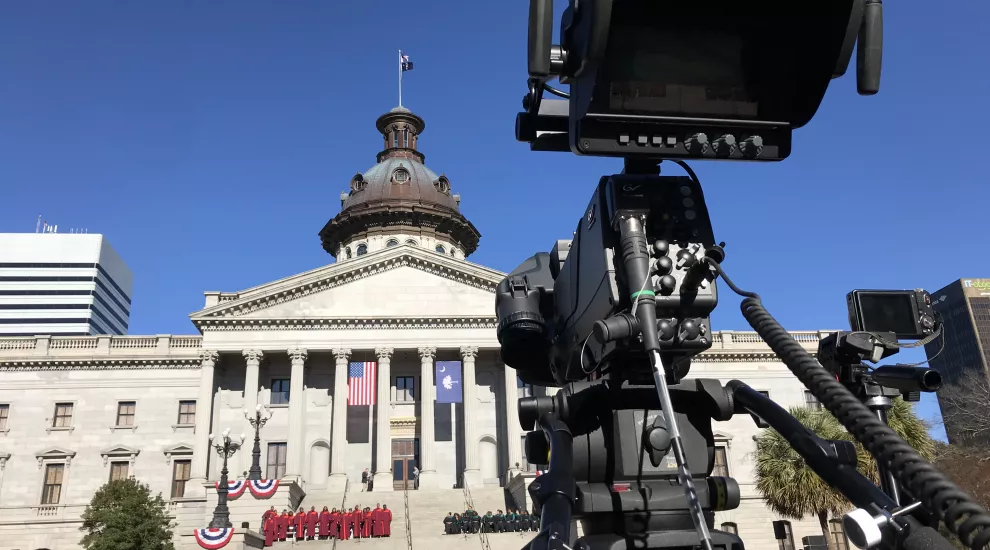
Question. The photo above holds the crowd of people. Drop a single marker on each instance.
(470, 522)
(329, 524)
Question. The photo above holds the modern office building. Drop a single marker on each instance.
(965, 309)
(62, 285)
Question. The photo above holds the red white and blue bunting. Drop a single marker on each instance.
(263, 488)
(234, 488)
(212, 539)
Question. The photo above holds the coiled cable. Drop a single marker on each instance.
(944, 499)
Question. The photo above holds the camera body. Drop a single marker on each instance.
(906, 313)
(712, 80)
(559, 313)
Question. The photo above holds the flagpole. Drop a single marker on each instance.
(400, 78)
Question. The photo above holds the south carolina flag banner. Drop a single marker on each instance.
(406, 64)
(448, 382)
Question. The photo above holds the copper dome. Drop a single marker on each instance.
(400, 192)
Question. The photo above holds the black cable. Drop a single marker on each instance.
(954, 507)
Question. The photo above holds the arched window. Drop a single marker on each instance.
(392, 242)
(405, 137)
(441, 249)
(362, 249)
(411, 242)
(395, 139)
(347, 252)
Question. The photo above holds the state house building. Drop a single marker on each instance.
(401, 296)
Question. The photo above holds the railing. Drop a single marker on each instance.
(405, 498)
(88, 346)
(469, 505)
(43, 512)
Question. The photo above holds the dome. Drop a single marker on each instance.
(400, 199)
(400, 179)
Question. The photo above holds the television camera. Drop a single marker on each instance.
(615, 315)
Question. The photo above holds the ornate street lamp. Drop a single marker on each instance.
(225, 447)
(257, 420)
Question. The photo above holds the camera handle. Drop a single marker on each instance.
(555, 490)
(889, 525)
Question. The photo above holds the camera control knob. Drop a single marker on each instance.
(752, 146)
(927, 321)
(725, 145)
(667, 284)
(666, 329)
(685, 258)
(690, 329)
(663, 266)
(697, 144)
(661, 248)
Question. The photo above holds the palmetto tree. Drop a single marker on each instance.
(794, 490)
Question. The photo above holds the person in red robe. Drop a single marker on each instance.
(282, 525)
(312, 519)
(357, 518)
(300, 523)
(366, 514)
(334, 524)
(324, 523)
(387, 521)
(377, 521)
(345, 524)
(270, 526)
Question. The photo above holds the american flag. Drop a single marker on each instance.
(361, 383)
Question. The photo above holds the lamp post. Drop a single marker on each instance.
(225, 447)
(257, 420)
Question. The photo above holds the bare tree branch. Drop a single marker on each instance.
(966, 407)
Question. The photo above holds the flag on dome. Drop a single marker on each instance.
(406, 64)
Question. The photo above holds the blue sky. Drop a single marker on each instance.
(210, 142)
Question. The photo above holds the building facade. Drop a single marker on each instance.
(62, 285)
(78, 411)
(964, 306)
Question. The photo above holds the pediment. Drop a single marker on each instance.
(54, 453)
(179, 449)
(401, 282)
(119, 450)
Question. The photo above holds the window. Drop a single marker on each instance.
(405, 137)
(721, 468)
(810, 401)
(400, 176)
(51, 493)
(524, 389)
(395, 139)
(441, 249)
(784, 535)
(411, 242)
(63, 415)
(125, 413)
(187, 413)
(837, 533)
(362, 249)
(392, 242)
(4, 414)
(118, 470)
(730, 527)
(280, 393)
(180, 475)
(405, 388)
(276, 461)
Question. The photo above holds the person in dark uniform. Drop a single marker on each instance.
(524, 521)
(512, 519)
(488, 522)
(475, 521)
(448, 524)
(535, 521)
(458, 524)
(499, 522)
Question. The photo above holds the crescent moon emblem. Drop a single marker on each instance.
(443, 369)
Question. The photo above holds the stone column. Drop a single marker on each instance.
(513, 432)
(472, 471)
(253, 359)
(204, 415)
(383, 435)
(338, 442)
(427, 463)
(295, 450)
